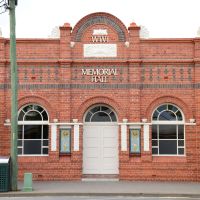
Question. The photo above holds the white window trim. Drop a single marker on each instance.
(160, 122)
(41, 122)
(178, 147)
(99, 105)
(33, 122)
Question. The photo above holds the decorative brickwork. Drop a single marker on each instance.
(137, 78)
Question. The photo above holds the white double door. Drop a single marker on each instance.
(100, 148)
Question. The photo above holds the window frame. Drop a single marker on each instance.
(177, 123)
(99, 111)
(42, 123)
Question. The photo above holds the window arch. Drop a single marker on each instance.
(33, 130)
(100, 113)
(168, 131)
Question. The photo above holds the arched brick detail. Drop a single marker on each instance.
(102, 18)
(40, 101)
(99, 100)
(187, 111)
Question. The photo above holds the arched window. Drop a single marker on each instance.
(168, 131)
(33, 130)
(100, 114)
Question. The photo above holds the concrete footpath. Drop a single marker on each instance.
(106, 188)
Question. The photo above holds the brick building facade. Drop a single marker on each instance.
(102, 102)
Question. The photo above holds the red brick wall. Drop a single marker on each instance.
(150, 72)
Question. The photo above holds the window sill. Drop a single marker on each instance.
(33, 155)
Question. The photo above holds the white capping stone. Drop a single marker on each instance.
(75, 120)
(192, 120)
(144, 120)
(55, 120)
(125, 120)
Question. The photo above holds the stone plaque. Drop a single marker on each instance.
(100, 50)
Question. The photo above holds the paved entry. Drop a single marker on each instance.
(100, 148)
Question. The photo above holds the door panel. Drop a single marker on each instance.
(100, 149)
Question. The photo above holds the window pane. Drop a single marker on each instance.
(155, 115)
(179, 116)
(44, 115)
(155, 151)
(28, 108)
(161, 108)
(167, 131)
(154, 132)
(32, 131)
(181, 132)
(105, 109)
(181, 143)
(20, 129)
(167, 147)
(181, 151)
(45, 131)
(19, 151)
(45, 142)
(45, 151)
(33, 116)
(113, 117)
(96, 109)
(173, 108)
(100, 117)
(21, 115)
(32, 146)
(19, 143)
(88, 116)
(154, 142)
(167, 115)
(38, 108)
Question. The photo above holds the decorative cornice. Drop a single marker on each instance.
(102, 86)
(167, 40)
(99, 60)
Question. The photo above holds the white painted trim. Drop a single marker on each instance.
(65, 126)
(124, 137)
(169, 122)
(169, 155)
(100, 179)
(133, 123)
(146, 137)
(190, 124)
(129, 123)
(96, 105)
(33, 123)
(53, 137)
(134, 126)
(167, 103)
(76, 137)
(65, 123)
(34, 155)
(100, 123)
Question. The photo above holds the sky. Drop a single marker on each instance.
(162, 18)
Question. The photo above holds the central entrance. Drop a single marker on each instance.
(100, 141)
